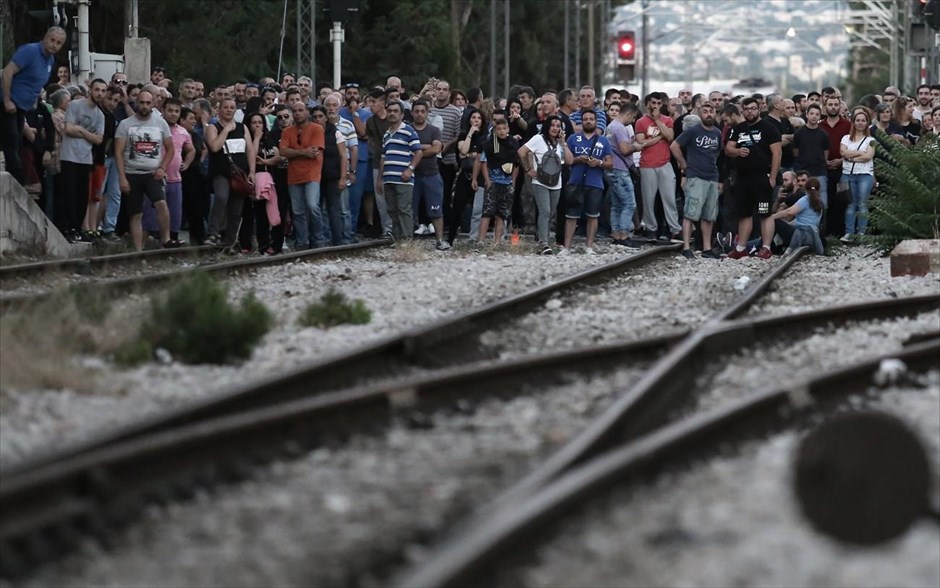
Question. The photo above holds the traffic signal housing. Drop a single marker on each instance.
(626, 47)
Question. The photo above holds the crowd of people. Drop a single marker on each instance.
(277, 164)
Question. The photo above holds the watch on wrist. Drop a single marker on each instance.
(411, 167)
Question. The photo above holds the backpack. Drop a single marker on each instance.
(549, 169)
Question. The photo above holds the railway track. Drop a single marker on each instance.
(490, 548)
(90, 268)
(107, 481)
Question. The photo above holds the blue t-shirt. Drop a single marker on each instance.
(35, 69)
(581, 145)
(702, 148)
(807, 217)
(364, 115)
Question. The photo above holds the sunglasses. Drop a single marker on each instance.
(284, 116)
(122, 82)
(352, 85)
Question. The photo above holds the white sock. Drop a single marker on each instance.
(739, 248)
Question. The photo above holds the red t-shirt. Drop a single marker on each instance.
(656, 155)
(842, 128)
(302, 170)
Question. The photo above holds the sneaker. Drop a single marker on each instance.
(387, 235)
(675, 237)
(421, 231)
(589, 251)
(711, 254)
(564, 252)
(172, 244)
(846, 238)
(110, 236)
(725, 241)
(687, 253)
(546, 250)
(212, 240)
(765, 253)
(737, 253)
(442, 246)
(662, 239)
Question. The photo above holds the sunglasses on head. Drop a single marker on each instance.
(352, 85)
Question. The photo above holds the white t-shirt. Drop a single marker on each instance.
(858, 167)
(539, 148)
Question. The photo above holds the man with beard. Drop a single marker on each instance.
(836, 127)
(700, 167)
(755, 145)
(654, 132)
(592, 155)
(143, 150)
(923, 105)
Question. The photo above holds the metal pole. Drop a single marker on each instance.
(567, 36)
(492, 48)
(84, 55)
(337, 35)
(590, 42)
(299, 41)
(645, 77)
(313, 44)
(577, 43)
(506, 49)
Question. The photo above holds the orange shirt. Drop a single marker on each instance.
(302, 170)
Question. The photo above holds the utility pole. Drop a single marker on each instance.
(132, 20)
(577, 43)
(492, 48)
(567, 36)
(590, 41)
(645, 75)
(506, 50)
(337, 36)
(307, 39)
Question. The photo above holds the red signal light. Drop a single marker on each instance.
(626, 46)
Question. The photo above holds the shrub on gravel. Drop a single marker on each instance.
(196, 323)
(906, 203)
(333, 309)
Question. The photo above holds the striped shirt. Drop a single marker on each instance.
(601, 119)
(397, 150)
(450, 114)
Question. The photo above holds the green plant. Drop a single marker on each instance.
(906, 203)
(197, 324)
(334, 308)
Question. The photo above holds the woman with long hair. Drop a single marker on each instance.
(533, 153)
(903, 121)
(806, 215)
(470, 145)
(857, 150)
(255, 212)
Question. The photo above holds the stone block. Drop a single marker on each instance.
(24, 227)
(137, 60)
(916, 257)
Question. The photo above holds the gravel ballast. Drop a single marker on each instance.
(733, 521)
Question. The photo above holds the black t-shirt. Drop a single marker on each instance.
(812, 145)
(428, 165)
(757, 138)
(785, 128)
(331, 163)
(476, 146)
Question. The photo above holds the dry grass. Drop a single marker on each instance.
(42, 346)
(412, 251)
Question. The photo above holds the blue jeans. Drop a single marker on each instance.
(363, 177)
(622, 201)
(112, 192)
(860, 186)
(305, 205)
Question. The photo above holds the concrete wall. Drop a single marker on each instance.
(24, 227)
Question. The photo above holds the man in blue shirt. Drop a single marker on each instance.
(592, 155)
(23, 81)
(401, 153)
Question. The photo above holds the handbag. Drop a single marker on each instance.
(843, 191)
(238, 179)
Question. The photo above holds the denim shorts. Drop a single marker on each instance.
(591, 208)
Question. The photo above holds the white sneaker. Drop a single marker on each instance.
(563, 252)
(589, 251)
(442, 246)
(421, 231)
(846, 238)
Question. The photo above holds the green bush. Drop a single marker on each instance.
(335, 309)
(197, 324)
(906, 203)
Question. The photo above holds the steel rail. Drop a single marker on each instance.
(127, 285)
(387, 357)
(463, 559)
(95, 262)
(111, 482)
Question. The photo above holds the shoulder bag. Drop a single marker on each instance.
(238, 179)
(843, 192)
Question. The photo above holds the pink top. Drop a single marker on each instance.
(180, 137)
